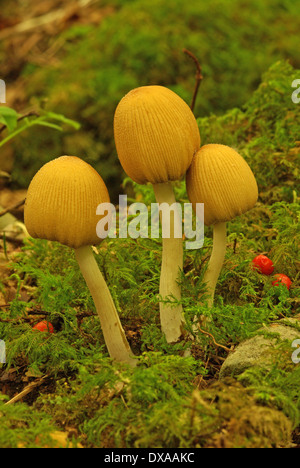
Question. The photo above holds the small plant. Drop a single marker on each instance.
(14, 123)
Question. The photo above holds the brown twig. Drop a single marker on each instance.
(11, 208)
(45, 19)
(4, 175)
(234, 245)
(212, 337)
(199, 76)
(27, 390)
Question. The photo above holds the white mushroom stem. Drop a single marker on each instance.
(114, 335)
(171, 315)
(216, 260)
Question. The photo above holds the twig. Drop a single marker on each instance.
(199, 76)
(234, 245)
(4, 175)
(26, 390)
(43, 20)
(212, 337)
(32, 23)
(11, 208)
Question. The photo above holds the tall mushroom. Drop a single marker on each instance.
(221, 179)
(156, 136)
(61, 206)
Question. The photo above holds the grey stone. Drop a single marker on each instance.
(255, 351)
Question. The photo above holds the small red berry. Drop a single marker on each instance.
(282, 279)
(263, 264)
(44, 326)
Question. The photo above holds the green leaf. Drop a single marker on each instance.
(62, 118)
(48, 124)
(9, 117)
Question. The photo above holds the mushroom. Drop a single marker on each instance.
(221, 179)
(61, 206)
(156, 136)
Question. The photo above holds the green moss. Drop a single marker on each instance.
(23, 427)
(157, 405)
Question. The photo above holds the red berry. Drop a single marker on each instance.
(263, 264)
(44, 326)
(282, 279)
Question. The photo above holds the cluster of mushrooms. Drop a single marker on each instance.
(158, 142)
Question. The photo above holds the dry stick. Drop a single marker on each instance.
(11, 208)
(27, 390)
(4, 175)
(212, 337)
(199, 76)
(43, 20)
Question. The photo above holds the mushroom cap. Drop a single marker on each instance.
(221, 179)
(156, 135)
(61, 202)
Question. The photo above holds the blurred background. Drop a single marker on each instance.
(80, 57)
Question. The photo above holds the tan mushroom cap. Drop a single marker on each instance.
(61, 202)
(221, 179)
(156, 135)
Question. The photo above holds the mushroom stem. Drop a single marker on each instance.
(171, 315)
(114, 336)
(216, 260)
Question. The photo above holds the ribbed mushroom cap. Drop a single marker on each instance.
(221, 179)
(156, 135)
(61, 202)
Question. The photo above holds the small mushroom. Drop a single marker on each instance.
(221, 179)
(61, 206)
(156, 136)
